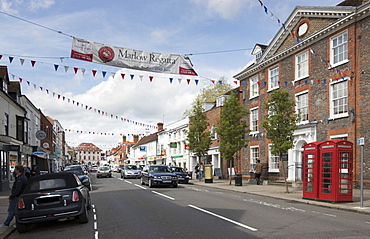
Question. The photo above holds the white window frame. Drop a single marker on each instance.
(298, 107)
(273, 161)
(342, 45)
(253, 118)
(254, 156)
(253, 87)
(301, 65)
(273, 78)
(339, 136)
(334, 99)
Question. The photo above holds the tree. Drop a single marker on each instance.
(232, 128)
(210, 93)
(199, 139)
(280, 124)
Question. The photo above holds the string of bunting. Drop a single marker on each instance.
(84, 106)
(296, 38)
(98, 133)
(104, 73)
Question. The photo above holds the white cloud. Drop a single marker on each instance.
(40, 4)
(227, 9)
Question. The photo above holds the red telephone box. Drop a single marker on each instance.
(311, 164)
(335, 171)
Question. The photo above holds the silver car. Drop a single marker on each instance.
(104, 171)
(130, 171)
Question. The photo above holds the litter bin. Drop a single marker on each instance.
(208, 176)
(238, 180)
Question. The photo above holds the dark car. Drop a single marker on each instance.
(158, 175)
(54, 196)
(81, 174)
(130, 171)
(182, 175)
(120, 167)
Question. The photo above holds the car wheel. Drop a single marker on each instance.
(84, 217)
(21, 227)
(174, 185)
(142, 181)
(150, 183)
(186, 181)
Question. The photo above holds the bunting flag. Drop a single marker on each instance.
(94, 71)
(59, 96)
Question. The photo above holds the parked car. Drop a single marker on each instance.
(130, 171)
(94, 168)
(182, 175)
(153, 175)
(81, 174)
(104, 171)
(120, 167)
(53, 196)
(115, 168)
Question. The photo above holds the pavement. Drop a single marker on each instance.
(272, 191)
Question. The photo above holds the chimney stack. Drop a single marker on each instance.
(136, 138)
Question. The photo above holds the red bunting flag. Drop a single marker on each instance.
(33, 63)
(150, 78)
(20, 80)
(235, 82)
(212, 81)
(188, 80)
(94, 72)
(123, 76)
(75, 69)
(58, 96)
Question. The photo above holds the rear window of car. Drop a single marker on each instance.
(47, 184)
(104, 168)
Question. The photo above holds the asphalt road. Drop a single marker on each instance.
(125, 209)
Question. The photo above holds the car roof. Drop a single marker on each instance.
(67, 176)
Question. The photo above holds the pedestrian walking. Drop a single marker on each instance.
(196, 170)
(34, 171)
(18, 187)
(258, 171)
(201, 171)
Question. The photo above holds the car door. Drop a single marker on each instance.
(145, 174)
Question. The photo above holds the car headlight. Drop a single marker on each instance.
(156, 177)
(187, 177)
(174, 177)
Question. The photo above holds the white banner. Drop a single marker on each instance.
(128, 58)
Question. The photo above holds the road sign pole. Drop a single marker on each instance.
(362, 177)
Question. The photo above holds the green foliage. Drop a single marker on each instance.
(231, 127)
(199, 140)
(280, 122)
(210, 93)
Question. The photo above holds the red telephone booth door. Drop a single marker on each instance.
(336, 166)
(311, 155)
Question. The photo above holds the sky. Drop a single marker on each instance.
(217, 35)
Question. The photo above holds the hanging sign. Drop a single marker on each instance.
(128, 58)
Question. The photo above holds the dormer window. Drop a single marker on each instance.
(258, 51)
(220, 100)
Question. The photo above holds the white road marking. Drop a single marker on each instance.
(120, 179)
(95, 226)
(224, 218)
(137, 185)
(128, 182)
(96, 235)
(160, 194)
(95, 217)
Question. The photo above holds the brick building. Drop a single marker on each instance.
(321, 55)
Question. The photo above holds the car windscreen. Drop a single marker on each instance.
(131, 167)
(157, 169)
(104, 169)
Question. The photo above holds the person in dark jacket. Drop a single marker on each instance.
(19, 185)
(258, 171)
